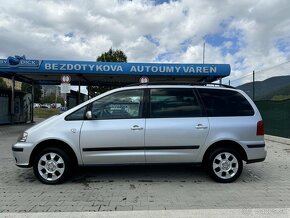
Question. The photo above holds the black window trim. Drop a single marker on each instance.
(146, 103)
(200, 102)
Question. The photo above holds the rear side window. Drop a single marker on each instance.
(225, 103)
(173, 103)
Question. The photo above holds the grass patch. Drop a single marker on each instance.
(280, 97)
(45, 112)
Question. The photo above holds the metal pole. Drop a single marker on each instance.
(89, 89)
(253, 85)
(203, 52)
(65, 101)
(229, 82)
(56, 89)
(79, 93)
(12, 98)
(32, 103)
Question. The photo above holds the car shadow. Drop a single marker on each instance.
(140, 173)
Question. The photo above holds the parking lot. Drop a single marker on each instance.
(261, 185)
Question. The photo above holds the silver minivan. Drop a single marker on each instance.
(218, 127)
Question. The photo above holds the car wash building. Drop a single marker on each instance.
(86, 73)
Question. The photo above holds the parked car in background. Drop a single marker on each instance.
(55, 105)
(36, 105)
(46, 105)
(218, 127)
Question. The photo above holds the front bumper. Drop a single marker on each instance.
(21, 152)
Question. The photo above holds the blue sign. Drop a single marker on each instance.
(134, 68)
(20, 64)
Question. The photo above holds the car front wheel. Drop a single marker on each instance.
(224, 165)
(52, 166)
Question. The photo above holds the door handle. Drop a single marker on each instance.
(200, 126)
(136, 127)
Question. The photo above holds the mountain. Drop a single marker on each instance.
(276, 88)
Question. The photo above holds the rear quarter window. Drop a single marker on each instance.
(225, 103)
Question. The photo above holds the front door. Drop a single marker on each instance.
(116, 132)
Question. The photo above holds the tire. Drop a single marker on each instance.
(52, 166)
(224, 165)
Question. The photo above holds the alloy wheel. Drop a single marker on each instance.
(225, 165)
(51, 166)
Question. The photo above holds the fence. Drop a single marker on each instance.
(276, 116)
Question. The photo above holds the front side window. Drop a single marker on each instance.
(173, 103)
(225, 103)
(77, 115)
(121, 105)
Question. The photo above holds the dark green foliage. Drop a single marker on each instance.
(51, 99)
(112, 56)
(3, 84)
(25, 87)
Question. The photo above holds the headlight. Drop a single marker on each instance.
(23, 137)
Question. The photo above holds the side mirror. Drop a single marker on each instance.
(89, 115)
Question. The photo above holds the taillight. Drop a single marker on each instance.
(260, 128)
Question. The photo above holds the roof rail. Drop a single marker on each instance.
(181, 83)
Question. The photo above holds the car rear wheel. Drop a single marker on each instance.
(224, 165)
(52, 166)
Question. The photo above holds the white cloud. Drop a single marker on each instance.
(139, 50)
(82, 30)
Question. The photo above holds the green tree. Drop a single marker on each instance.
(25, 87)
(3, 84)
(51, 99)
(112, 56)
(109, 56)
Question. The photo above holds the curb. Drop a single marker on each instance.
(277, 139)
(216, 213)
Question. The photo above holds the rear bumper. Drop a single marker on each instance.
(255, 160)
(255, 152)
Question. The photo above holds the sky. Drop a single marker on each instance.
(249, 35)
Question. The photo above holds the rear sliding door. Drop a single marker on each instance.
(175, 129)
